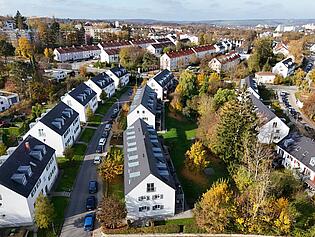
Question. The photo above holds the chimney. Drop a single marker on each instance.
(27, 147)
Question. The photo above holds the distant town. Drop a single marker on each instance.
(143, 127)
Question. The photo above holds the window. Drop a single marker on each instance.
(144, 208)
(41, 132)
(150, 187)
(0, 197)
(157, 207)
(143, 111)
(274, 125)
(277, 131)
(137, 111)
(143, 198)
(157, 196)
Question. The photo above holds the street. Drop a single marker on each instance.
(74, 217)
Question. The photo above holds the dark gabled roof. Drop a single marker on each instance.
(112, 51)
(250, 83)
(102, 80)
(119, 71)
(60, 111)
(144, 96)
(21, 157)
(288, 62)
(81, 48)
(162, 45)
(83, 94)
(144, 155)
(163, 40)
(262, 110)
(115, 44)
(300, 147)
(163, 77)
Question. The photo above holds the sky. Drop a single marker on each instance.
(179, 10)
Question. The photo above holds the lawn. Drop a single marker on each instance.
(95, 121)
(87, 135)
(69, 169)
(60, 206)
(179, 138)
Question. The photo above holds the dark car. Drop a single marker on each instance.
(104, 134)
(89, 222)
(114, 115)
(90, 203)
(93, 187)
(99, 149)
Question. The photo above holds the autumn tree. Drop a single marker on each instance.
(89, 113)
(112, 213)
(69, 153)
(37, 110)
(261, 53)
(117, 128)
(222, 96)
(44, 212)
(3, 149)
(49, 54)
(187, 85)
(296, 50)
(309, 106)
(83, 71)
(213, 212)
(131, 57)
(196, 157)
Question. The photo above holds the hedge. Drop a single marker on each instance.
(162, 229)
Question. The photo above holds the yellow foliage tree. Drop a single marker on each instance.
(196, 157)
(24, 48)
(284, 219)
(213, 212)
(48, 53)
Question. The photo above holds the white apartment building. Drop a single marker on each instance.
(144, 106)
(58, 127)
(120, 76)
(204, 50)
(284, 68)
(149, 185)
(7, 99)
(110, 55)
(80, 99)
(265, 77)
(157, 48)
(143, 43)
(225, 62)
(176, 59)
(76, 53)
(30, 170)
(161, 83)
(298, 153)
(102, 82)
(281, 48)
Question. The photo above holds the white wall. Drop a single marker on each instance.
(143, 113)
(157, 88)
(273, 131)
(168, 201)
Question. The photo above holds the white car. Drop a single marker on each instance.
(108, 126)
(102, 142)
(97, 160)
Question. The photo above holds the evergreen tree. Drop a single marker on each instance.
(20, 21)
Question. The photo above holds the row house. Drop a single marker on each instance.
(29, 171)
(120, 75)
(251, 86)
(7, 99)
(176, 59)
(149, 184)
(58, 127)
(162, 83)
(110, 55)
(102, 83)
(80, 99)
(204, 50)
(298, 153)
(284, 68)
(76, 53)
(144, 106)
(157, 48)
(114, 44)
(143, 43)
(225, 62)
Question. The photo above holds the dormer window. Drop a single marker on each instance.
(312, 161)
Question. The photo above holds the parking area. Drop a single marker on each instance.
(287, 106)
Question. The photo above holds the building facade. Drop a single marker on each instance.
(162, 83)
(120, 76)
(102, 83)
(7, 99)
(284, 68)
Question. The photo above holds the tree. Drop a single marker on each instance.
(222, 96)
(44, 212)
(150, 61)
(278, 80)
(196, 157)
(3, 149)
(6, 49)
(112, 212)
(131, 57)
(187, 85)
(83, 71)
(312, 75)
(126, 107)
(117, 128)
(309, 106)
(24, 48)
(20, 21)
(284, 218)
(296, 50)
(37, 110)
(103, 96)
(213, 212)
(48, 53)
(267, 67)
(69, 153)
(262, 53)
(89, 113)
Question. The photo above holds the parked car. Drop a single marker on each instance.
(105, 134)
(114, 115)
(108, 126)
(97, 160)
(93, 187)
(90, 203)
(99, 149)
(115, 110)
(89, 222)
(102, 142)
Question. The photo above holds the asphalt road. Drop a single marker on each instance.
(73, 225)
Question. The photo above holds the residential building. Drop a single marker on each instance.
(144, 106)
(192, 38)
(102, 82)
(204, 50)
(251, 86)
(283, 28)
(114, 44)
(149, 184)
(298, 153)
(9, 25)
(271, 128)
(76, 53)
(120, 76)
(225, 62)
(284, 68)
(176, 59)
(58, 74)
(110, 55)
(58, 127)
(281, 48)
(143, 43)
(162, 83)
(157, 48)
(220, 48)
(80, 99)
(265, 77)
(29, 171)
(7, 99)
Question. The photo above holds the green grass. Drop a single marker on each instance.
(95, 120)
(70, 169)
(116, 188)
(87, 135)
(179, 137)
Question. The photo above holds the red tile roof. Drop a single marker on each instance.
(203, 48)
(143, 41)
(77, 49)
(229, 57)
(181, 53)
(113, 51)
(115, 44)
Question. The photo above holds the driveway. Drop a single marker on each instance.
(73, 225)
